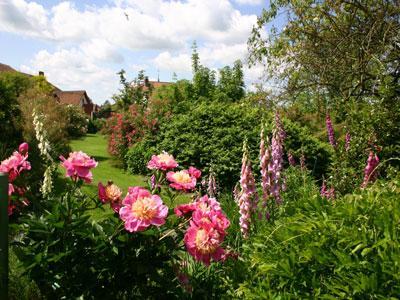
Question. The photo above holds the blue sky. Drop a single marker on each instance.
(82, 44)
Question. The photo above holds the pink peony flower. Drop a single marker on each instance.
(110, 193)
(78, 166)
(204, 242)
(182, 180)
(194, 172)
(140, 209)
(215, 217)
(185, 209)
(163, 161)
(23, 148)
(204, 204)
(14, 165)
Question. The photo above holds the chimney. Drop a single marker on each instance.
(41, 73)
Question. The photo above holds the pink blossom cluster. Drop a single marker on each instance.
(110, 193)
(78, 166)
(331, 133)
(327, 193)
(140, 209)
(248, 198)
(14, 166)
(184, 180)
(207, 229)
(370, 173)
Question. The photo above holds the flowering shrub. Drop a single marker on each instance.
(14, 166)
(83, 255)
(126, 128)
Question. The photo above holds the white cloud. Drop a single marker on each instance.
(93, 39)
(250, 2)
(73, 70)
(178, 63)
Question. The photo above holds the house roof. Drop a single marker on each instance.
(6, 68)
(157, 84)
(72, 97)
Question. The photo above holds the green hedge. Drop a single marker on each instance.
(212, 133)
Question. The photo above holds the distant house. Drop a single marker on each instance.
(78, 98)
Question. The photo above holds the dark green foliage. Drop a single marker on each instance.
(211, 134)
(11, 86)
(300, 141)
(231, 81)
(348, 248)
(137, 157)
(70, 255)
(95, 125)
(77, 121)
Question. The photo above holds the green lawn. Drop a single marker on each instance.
(95, 145)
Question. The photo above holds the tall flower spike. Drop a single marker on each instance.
(291, 159)
(212, 185)
(279, 127)
(245, 205)
(347, 142)
(265, 157)
(370, 173)
(329, 129)
(302, 162)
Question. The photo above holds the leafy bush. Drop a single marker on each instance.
(138, 156)
(77, 121)
(95, 125)
(341, 249)
(212, 133)
(11, 86)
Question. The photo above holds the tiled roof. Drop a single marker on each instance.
(6, 68)
(71, 97)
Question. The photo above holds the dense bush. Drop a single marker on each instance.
(317, 248)
(213, 134)
(95, 125)
(11, 86)
(137, 157)
(77, 121)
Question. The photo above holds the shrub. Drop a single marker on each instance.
(321, 249)
(95, 125)
(77, 121)
(11, 86)
(137, 157)
(212, 133)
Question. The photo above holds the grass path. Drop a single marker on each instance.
(95, 145)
